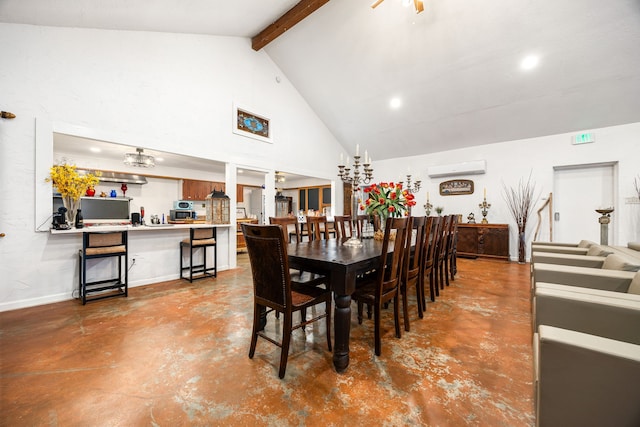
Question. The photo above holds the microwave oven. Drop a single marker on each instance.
(176, 215)
(183, 205)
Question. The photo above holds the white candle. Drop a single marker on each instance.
(485, 192)
(427, 196)
(365, 157)
(347, 161)
(341, 159)
(357, 149)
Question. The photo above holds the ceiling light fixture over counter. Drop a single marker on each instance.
(139, 159)
(419, 6)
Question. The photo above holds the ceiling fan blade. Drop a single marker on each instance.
(419, 6)
(376, 3)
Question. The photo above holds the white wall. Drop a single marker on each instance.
(169, 92)
(511, 161)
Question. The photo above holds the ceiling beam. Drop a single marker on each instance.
(294, 15)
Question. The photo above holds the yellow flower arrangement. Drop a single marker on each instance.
(71, 186)
(69, 182)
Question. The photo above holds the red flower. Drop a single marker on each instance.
(391, 209)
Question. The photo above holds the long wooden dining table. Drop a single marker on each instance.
(341, 264)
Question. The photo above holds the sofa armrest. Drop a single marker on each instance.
(555, 244)
(559, 249)
(567, 259)
(585, 380)
(616, 317)
(607, 280)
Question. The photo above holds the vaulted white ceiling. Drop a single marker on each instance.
(455, 67)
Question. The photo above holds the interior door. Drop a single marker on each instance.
(256, 205)
(578, 191)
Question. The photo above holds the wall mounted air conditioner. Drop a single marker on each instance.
(475, 167)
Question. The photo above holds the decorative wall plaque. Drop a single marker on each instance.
(456, 187)
(252, 125)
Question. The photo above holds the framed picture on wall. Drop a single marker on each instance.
(456, 187)
(252, 125)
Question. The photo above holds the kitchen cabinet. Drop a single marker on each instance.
(240, 243)
(239, 193)
(194, 189)
(483, 240)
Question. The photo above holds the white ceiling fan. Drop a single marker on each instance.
(417, 4)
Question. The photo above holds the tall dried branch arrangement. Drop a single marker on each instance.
(521, 200)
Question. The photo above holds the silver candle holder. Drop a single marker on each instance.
(484, 209)
(355, 179)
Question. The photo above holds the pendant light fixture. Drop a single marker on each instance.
(139, 159)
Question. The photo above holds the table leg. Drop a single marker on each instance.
(342, 326)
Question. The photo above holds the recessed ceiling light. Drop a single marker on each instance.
(395, 103)
(240, 170)
(529, 62)
(95, 149)
(159, 159)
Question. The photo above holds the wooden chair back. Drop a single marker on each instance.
(267, 250)
(317, 227)
(413, 265)
(390, 272)
(285, 222)
(343, 226)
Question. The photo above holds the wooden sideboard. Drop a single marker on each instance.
(483, 240)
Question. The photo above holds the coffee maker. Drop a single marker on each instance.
(59, 221)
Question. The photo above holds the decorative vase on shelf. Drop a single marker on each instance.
(72, 206)
(91, 191)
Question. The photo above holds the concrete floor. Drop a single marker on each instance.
(175, 354)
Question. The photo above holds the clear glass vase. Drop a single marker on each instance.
(72, 206)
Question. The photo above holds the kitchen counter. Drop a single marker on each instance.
(129, 227)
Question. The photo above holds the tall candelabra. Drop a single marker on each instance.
(427, 207)
(412, 188)
(355, 179)
(484, 206)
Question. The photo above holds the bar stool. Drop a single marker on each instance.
(103, 245)
(199, 238)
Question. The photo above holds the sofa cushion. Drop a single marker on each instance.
(586, 243)
(634, 287)
(634, 245)
(599, 250)
(620, 262)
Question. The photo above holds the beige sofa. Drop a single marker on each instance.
(585, 277)
(580, 248)
(593, 255)
(587, 356)
(585, 380)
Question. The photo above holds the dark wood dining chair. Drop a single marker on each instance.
(317, 228)
(274, 291)
(413, 265)
(450, 260)
(290, 227)
(378, 289)
(343, 226)
(441, 253)
(298, 277)
(430, 250)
